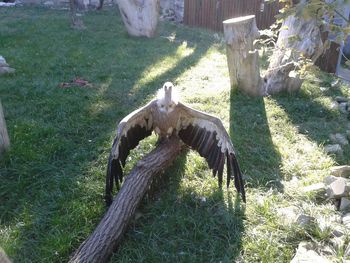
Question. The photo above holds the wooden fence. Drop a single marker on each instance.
(210, 13)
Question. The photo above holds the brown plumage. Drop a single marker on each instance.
(166, 116)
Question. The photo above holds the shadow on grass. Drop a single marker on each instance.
(180, 225)
(307, 111)
(53, 178)
(260, 162)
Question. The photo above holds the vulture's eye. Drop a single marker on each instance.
(162, 106)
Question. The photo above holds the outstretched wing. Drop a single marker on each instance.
(131, 130)
(207, 135)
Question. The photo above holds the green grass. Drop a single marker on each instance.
(52, 179)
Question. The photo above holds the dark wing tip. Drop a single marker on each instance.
(114, 175)
(237, 174)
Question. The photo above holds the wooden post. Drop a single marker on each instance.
(140, 17)
(107, 236)
(242, 58)
(4, 138)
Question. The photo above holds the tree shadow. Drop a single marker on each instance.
(52, 180)
(181, 225)
(249, 129)
(308, 111)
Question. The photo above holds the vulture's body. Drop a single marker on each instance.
(166, 116)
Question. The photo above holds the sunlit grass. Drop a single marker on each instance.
(52, 180)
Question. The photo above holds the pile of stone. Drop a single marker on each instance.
(335, 187)
(342, 103)
(339, 141)
(4, 67)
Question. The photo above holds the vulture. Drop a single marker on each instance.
(166, 116)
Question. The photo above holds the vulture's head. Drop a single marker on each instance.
(167, 98)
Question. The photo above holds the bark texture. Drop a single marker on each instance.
(4, 138)
(140, 17)
(105, 239)
(242, 58)
(76, 21)
(298, 37)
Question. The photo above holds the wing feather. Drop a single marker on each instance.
(207, 135)
(131, 130)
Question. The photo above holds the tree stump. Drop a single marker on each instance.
(298, 37)
(4, 138)
(140, 17)
(242, 58)
(107, 236)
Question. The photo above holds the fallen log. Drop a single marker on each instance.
(108, 234)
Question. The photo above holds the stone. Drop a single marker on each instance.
(49, 3)
(346, 219)
(333, 148)
(338, 242)
(338, 230)
(348, 134)
(288, 215)
(306, 254)
(339, 138)
(329, 179)
(344, 204)
(314, 188)
(338, 188)
(342, 107)
(347, 251)
(341, 171)
(334, 105)
(304, 220)
(6, 70)
(341, 99)
(336, 83)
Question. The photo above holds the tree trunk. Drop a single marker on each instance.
(297, 38)
(76, 22)
(108, 234)
(4, 138)
(140, 16)
(242, 58)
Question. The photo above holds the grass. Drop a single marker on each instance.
(52, 179)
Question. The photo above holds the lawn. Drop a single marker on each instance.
(52, 179)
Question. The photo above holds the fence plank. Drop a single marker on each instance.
(210, 13)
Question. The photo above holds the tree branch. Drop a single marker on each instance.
(107, 236)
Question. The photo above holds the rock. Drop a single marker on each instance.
(338, 243)
(6, 70)
(348, 134)
(344, 204)
(288, 214)
(304, 220)
(306, 254)
(341, 171)
(338, 188)
(347, 251)
(334, 105)
(338, 230)
(329, 179)
(339, 138)
(333, 148)
(49, 3)
(342, 107)
(336, 83)
(341, 99)
(346, 219)
(314, 187)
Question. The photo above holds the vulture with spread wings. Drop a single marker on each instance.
(167, 116)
